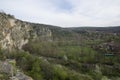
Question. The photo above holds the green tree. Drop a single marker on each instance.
(36, 70)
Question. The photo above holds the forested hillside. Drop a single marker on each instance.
(46, 52)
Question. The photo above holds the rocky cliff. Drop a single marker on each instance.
(8, 71)
(15, 33)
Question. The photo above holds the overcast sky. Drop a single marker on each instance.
(65, 13)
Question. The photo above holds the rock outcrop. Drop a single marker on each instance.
(21, 76)
(15, 33)
(7, 67)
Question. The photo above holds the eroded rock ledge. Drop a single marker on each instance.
(15, 33)
(11, 71)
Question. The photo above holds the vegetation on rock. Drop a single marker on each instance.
(46, 52)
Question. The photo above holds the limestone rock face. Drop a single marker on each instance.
(5, 67)
(10, 70)
(21, 76)
(15, 33)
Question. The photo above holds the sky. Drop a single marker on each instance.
(65, 13)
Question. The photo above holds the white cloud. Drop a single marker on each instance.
(66, 13)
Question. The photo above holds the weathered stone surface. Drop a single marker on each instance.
(21, 76)
(15, 33)
(5, 67)
(8, 68)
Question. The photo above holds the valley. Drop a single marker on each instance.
(46, 52)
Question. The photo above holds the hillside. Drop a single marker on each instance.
(46, 52)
